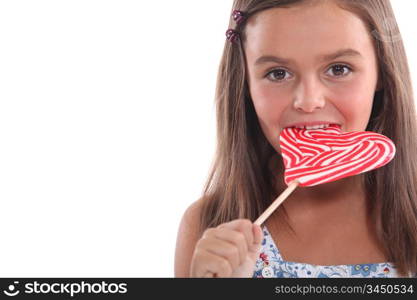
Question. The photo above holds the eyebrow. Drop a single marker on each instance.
(342, 52)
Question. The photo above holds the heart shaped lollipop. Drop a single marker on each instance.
(323, 155)
(317, 156)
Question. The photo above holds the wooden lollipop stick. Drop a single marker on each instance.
(291, 187)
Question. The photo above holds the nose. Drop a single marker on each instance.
(309, 96)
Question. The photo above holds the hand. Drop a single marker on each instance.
(228, 250)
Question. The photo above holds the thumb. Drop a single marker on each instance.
(258, 237)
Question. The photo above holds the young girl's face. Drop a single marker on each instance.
(307, 64)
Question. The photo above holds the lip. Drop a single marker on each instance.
(313, 124)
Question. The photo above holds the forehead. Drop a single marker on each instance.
(305, 31)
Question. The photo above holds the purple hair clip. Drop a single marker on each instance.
(238, 16)
(232, 35)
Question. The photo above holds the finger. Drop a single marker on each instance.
(242, 225)
(258, 237)
(237, 238)
(230, 235)
(222, 248)
(216, 264)
(208, 275)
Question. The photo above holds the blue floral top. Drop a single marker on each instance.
(271, 264)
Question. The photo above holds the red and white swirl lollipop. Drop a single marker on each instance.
(317, 156)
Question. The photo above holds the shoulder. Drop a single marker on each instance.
(187, 238)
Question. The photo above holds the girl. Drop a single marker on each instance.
(296, 62)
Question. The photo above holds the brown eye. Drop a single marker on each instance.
(277, 75)
(340, 70)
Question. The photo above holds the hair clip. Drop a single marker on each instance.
(238, 16)
(232, 35)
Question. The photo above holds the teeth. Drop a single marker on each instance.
(313, 127)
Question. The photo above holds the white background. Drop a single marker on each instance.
(107, 130)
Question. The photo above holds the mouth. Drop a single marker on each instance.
(315, 127)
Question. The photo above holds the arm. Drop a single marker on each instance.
(187, 238)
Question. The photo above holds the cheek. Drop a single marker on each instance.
(354, 101)
(269, 104)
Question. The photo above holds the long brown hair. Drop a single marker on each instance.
(241, 182)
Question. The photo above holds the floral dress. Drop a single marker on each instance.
(271, 264)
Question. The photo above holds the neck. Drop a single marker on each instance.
(347, 187)
(343, 196)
